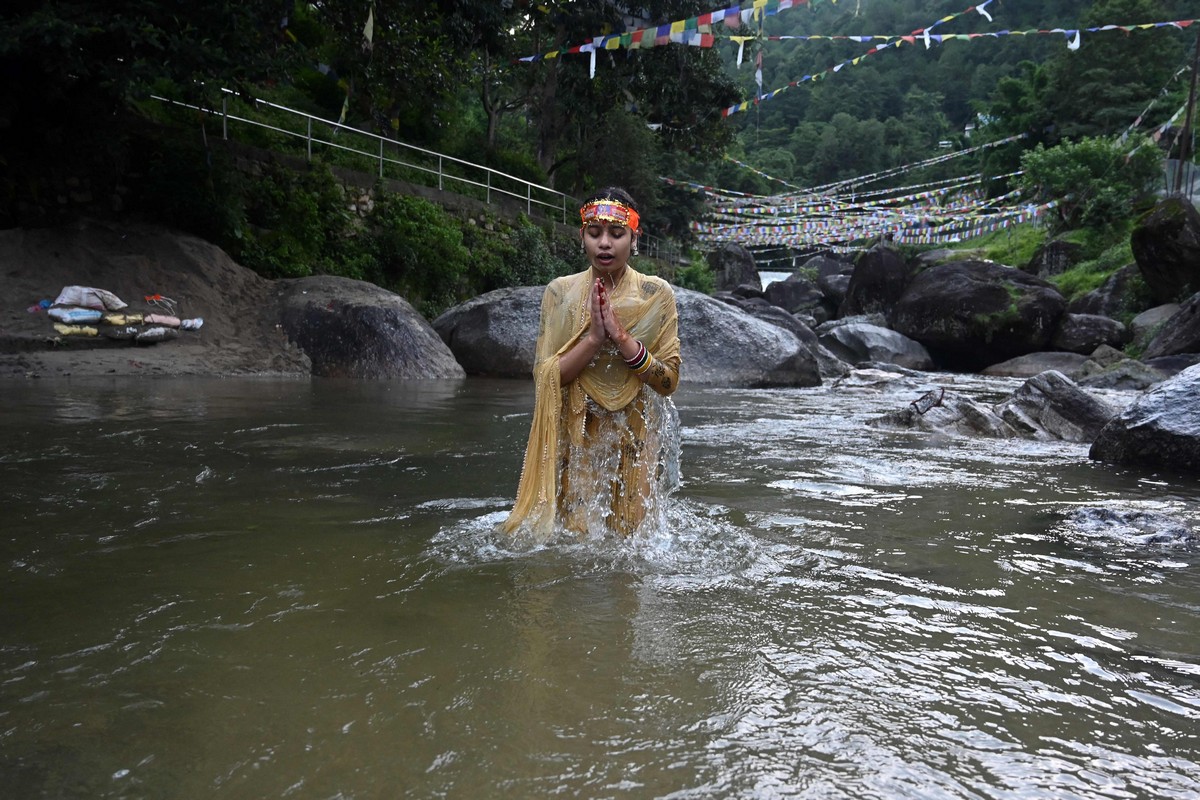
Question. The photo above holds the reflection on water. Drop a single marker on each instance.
(262, 588)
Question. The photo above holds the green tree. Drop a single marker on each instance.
(1096, 181)
(1100, 89)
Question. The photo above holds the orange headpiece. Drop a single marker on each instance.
(609, 211)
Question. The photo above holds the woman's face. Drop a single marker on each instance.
(607, 245)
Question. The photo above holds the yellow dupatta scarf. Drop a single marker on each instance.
(645, 306)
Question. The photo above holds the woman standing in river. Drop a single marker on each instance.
(606, 364)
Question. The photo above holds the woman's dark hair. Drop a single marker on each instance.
(613, 193)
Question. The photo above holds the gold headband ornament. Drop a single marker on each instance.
(609, 211)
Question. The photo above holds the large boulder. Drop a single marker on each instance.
(798, 295)
(1161, 429)
(974, 313)
(354, 329)
(879, 279)
(1051, 406)
(724, 346)
(1047, 407)
(830, 365)
(1180, 333)
(1124, 292)
(857, 342)
(1146, 325)
(1083, 333)
(1109, 368)
(1166, 246)
(734, 266)
(1026, 366)
(496, 333)
(1054, 258)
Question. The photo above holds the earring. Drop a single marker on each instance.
(582, 249)
(635, 250)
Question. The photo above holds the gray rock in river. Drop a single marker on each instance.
(1047, 407)
(974, 313)
(354, 329)
(496, 333)
(1161, 429)
(1051, 406)
(1180, 333)
(859, 341)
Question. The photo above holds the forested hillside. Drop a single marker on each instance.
(903, 103)
(662, 96)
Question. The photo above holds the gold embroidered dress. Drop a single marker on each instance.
(593, 461)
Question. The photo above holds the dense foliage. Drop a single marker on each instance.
(446, 75)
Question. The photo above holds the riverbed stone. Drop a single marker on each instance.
(1123, 293)
(721, 345)
(354, 329)
(1166, 246)
(733, 265)
(1026, 366)
(1146, 325)
(1129, 527)
(724, 346)
(971, 314)
(857, 341)
(494, 334)
(1047, 407)
(1083, 333)
(830, 365)
(1050, 406)
(1180, 333)
(1159, 430)
(879, 279)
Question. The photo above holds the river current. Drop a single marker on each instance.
(262, 588)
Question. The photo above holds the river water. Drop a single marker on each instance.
(262, 588)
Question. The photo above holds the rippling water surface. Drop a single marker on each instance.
(262, 588)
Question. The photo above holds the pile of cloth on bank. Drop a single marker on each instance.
(88, 312)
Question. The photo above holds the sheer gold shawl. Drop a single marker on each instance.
(645, 306)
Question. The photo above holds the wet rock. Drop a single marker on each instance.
(496, 333)
(971, 314)
(1069, 364)
(1166, 246)
(878, 281)
(830, 365)
(1127, 375)
(1083, 333)
(354, 329)
(734, 266)
(948, 413)
(1180, 333)
(1050, 406)
(857, 341)
(722, 345)
(1161, 429)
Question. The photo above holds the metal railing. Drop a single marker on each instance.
(438, 169)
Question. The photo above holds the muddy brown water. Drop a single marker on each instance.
(254, 588)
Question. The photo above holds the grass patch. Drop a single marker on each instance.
(1093, 272)
(1014, 246)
